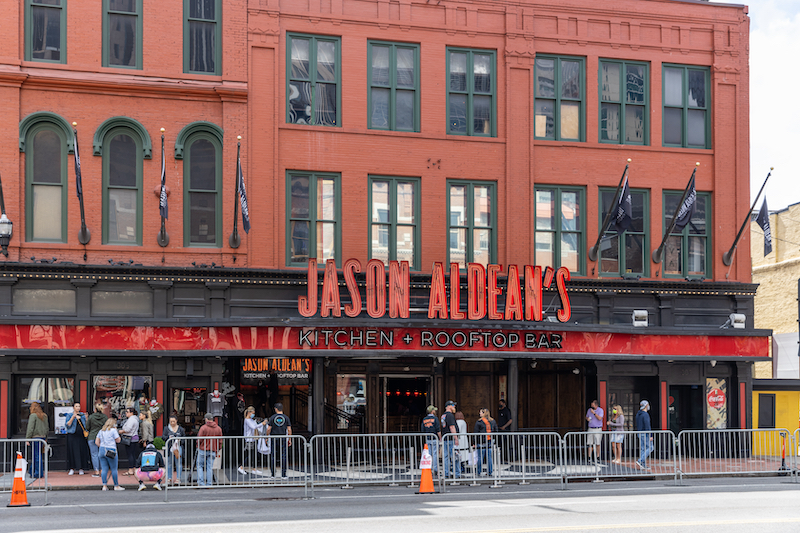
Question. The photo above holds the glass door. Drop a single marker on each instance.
(404, 402)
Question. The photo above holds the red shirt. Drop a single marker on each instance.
(210, 429)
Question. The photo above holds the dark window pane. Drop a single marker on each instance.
(300, 102)
(697, 88)
(203, 217)
(122, 161)
(405, 110)
(673, 256)
(122, 40)
(634, 254)
(544, 118)
(299, 197)
(697, 226)
(637, 211)
(202, 46)
(482, 70)
(202, 9)
(482, 114)
(673, 126)
(379, 114)
(47, 152)
(634, 124)
(634, 84)
(299, 241)
(122, 5)
(300, 59)
(570, 79)
(609, 254)
(670, 203)
(46, 33)
(405, 67)
(458, 113)
(380, 65)
(697, 256)
(203, 170)
(325, 104)
(458, 71)
(326, 61)
(609, 87)
(696, 127)
(545, 83)
(609, 122)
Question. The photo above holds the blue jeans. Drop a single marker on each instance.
(483, 452)
(94, 450)
(433, 449)
(176, 464)
(645, 447)
(37, 460)
(108, 463)
(205, 461)
(448, 451)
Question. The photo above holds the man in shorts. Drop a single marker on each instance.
(595, 418)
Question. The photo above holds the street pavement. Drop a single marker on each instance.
(735, 504)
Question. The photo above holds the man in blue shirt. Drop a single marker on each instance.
(595, 418)
(645, 439)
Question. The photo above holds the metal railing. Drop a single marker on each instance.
(36, 452)
(736, 451)
(619, 454)
(216, 462)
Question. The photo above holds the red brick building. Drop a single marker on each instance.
(429, 132)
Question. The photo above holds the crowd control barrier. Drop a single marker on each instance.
(720, 452)
(258, 461)
(36, 454)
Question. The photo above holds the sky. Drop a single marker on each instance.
(774, 116)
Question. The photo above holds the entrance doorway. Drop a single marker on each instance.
(190, 405)
(685, 407)
(405, 400)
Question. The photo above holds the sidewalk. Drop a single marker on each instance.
(59, 480)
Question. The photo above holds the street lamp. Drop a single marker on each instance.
(6, 226)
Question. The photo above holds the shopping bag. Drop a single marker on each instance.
(217, 464)
(264, 446)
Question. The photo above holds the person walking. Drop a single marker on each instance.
(130, 438)
(94, 424)
(106, 440)
(485, 424)
(251, 429)
(146, 431)
(617, 424)
(150, 467)
(175, 458)
(279, 425)
(463, 441)
(645, 438)
(449, 445)
(432, 428)
(37, 429)
(207, 449)
(77, 449)
(594, 415)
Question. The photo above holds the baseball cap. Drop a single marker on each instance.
(643, 404)
(431, 408)
(449, 403)
(209, 416)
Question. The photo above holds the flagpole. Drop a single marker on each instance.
(727, 257)
(234, 241)
(84, 235)
(593, 250)
(658, 252)
(163, 236)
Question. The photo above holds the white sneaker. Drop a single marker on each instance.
(81, 472)
(141, 486)
(119, 488)
(71, 472)
(157, 486)
(241, 471)
(257, 472)
(105, 488)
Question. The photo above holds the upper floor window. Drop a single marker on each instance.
(46, 30)
(46, 184)
(687, 253)
(559, 237)
(471, 100)
(559, 98)
(122, 33)
(202, 201)
(312, 213)
(625, 254)
(687, 107)
(122, 187)
(394, 220)
(394, 86)
(312, 80)
(472, 219)
(623, 102)
(201, 36)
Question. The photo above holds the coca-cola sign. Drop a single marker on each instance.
(716, 399)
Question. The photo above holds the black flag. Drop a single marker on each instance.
(243, 196)
(78, 178)
(623, 215)
(687, 209)
(162, 203)
(763, 220)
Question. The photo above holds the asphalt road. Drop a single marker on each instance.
(737, 505)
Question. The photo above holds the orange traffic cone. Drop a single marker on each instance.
(426, 481)
(19, 494)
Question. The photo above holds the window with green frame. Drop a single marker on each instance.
(202, 201)
(625, 254)
(559, 93)
(202, 36)
(394, 220)
(472, 222)
(471, 98)
(46, 30)
(122, 33)
(313, 206)
(393, 86)
(687, 106)
(313, 77)
(46, 184)
(687, 253)
(122, 187)
(623, 102)
(559, 237)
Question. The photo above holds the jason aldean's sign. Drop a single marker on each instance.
(483, 291)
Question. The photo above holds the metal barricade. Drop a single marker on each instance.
(720, 452)
(390, 458)
(619, 454)
(36, 452)
(216, 462)
(501, 458)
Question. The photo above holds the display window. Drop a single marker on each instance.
(120, 392)
(351, 397)
(53, 394)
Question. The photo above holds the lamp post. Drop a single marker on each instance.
(6, 226)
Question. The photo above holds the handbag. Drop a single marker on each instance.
(85, 433)
(111, 453)
(125, 440)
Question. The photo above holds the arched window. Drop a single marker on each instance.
(122, 186)
(202, 201)
(45, 183)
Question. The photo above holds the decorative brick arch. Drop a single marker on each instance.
(195, 127)
(123, 122)
(47, 117)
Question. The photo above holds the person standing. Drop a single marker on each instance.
(37, 429)
(504, 422)
(150, 467)
(485, 424)
(175, 461)
(106, 440)
(146, 431)
(94, 424)
(251, 429)
(594, 415)
(449, 445)
(432, 428)
(645, 438)
(463, 441)
(617, 423)
(207, 449)
(75, 428)
(279, 425)
(130, 438)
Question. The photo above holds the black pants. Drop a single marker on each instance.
(132, 451)
(77, 450)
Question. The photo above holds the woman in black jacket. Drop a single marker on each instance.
(487, 425)
(175, 452)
